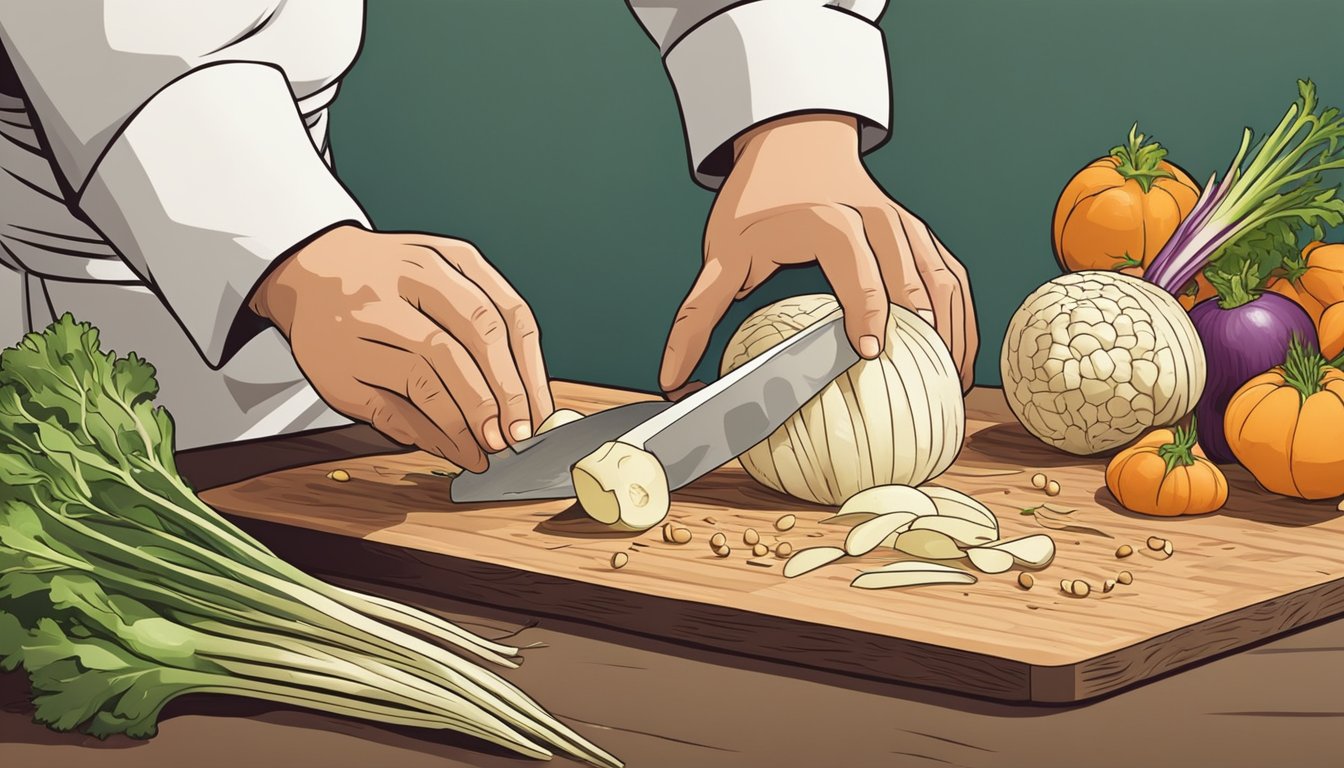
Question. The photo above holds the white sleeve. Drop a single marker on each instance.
(191, 159)
(737, 65)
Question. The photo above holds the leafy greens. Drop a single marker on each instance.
(120, 590)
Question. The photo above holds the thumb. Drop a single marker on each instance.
(705, 305)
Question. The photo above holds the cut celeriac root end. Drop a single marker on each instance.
(621, 485)
(558, 417)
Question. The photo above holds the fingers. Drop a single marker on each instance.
(459, 306)
(523, 332)
(403, 422)
(705, 305)
(968, 324)
(850, 265)
(945, 289)
(434, 375)
(916, 265)
(901, 271)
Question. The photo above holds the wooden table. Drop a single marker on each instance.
(657, 704)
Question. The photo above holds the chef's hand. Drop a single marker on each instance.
(415, 334)
(799, 193)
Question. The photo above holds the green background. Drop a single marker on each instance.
(547, 133)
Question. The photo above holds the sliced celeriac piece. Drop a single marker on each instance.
(849, 518)
(870, 534)
(558, 417)
(990, 560)
(911, 574)
(930, 544)
(882, 499)
(1036, 550)
(622, 486)
(952, 503)
(964, 532)
(810, 559)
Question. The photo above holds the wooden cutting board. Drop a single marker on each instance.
(1262, 567)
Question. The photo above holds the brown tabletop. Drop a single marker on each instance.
(658, 704)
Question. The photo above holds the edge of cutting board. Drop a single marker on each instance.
(781, 640)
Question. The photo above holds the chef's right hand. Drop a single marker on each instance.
(415, 334)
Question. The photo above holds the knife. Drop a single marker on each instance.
(690, 437)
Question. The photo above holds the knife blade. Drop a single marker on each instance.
(690, 437)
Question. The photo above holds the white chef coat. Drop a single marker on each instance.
(159, 155)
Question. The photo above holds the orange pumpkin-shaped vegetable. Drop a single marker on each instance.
(1286, 426)
(1165, 473)
(1330, 330)
(1121, 209)
(1316, 280)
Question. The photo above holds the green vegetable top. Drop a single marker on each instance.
(120, 590)
(1140, 161)
(1304, 368)
(1180, 451)
(1241, 271)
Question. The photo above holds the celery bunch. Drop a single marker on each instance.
(120, 590)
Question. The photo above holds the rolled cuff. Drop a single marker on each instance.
(207, 185)
(762, 60)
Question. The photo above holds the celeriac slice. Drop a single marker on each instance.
(1036, 550)
(911, 574)
(953, 503)
(558, 417)
(989, 559)
(881, 499)
(810, 559)
(870, 534)
(930, 544)
(849, 518)
(964, 532)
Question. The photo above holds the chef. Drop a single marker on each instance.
(167, 178)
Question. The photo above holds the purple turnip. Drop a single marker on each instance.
(1240, 343)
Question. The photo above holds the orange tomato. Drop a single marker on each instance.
(1164, 473)
(1116, 212)
(1285, 426)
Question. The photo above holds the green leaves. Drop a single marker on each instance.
(1140, 160)
(1243, 267)
(1304, 368)
(1180, 451)
(120, 590)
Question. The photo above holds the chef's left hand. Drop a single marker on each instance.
(799, 192)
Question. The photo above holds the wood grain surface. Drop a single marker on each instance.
(1263, 566)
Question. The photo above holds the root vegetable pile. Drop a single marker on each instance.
(1223, 313)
